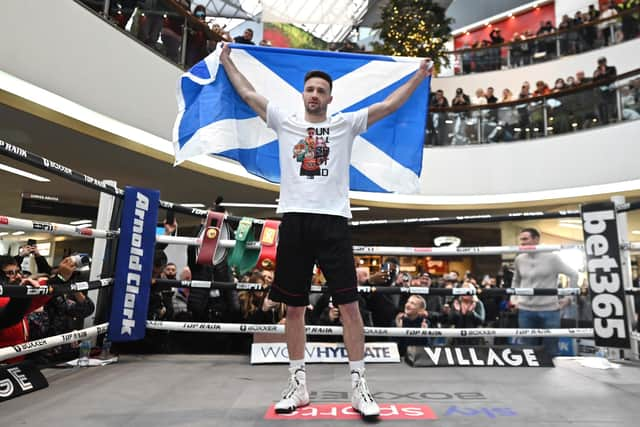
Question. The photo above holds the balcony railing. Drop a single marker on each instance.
(166, 26)
(576, 39)
(584, 107)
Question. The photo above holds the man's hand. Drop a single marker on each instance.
(170, 229)
(225, 52)
(426, 67)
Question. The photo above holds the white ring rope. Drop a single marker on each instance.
(12, 223)
(371, 331)
(53, 341)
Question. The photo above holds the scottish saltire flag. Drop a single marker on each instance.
(212, 119)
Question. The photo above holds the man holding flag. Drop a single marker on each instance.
(314, 152)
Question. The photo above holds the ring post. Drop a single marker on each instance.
(625, 267)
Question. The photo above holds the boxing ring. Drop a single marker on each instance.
(195, 390)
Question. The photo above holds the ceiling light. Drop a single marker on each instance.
(635, 232)
(17, 233)
(3, 233)
(570, 225)
(81, 221)
(359, 208)
(23, 173)
(193, 205)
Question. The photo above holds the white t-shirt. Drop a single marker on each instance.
(315, 159)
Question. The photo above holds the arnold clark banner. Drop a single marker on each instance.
(319, 352)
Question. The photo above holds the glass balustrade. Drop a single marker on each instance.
(571, 110)
(545, 47)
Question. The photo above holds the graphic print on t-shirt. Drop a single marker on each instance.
(312, 152)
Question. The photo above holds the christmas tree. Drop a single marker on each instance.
(413, 28)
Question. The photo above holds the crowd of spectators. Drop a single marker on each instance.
(573, 35)
(22, 320)
(571, 103)
(26, 319)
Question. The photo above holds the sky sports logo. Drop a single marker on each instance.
(344, 411)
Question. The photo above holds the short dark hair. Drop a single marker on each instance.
(7, 260)
(319, 74)
(532, 231)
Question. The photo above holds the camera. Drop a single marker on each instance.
(389, 268)
(81, 260)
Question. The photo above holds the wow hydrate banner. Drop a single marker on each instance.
(134, 265)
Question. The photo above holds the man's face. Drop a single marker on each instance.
(316, 96)
(12, 273)
(425, 280)
(490, 91)
(413, 306)
(248, 35)
(170, 272)
(267, 275)
(526, 239)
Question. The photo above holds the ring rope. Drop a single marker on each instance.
(24, 156)
(53, 341)
(12, 223)
(19, 291)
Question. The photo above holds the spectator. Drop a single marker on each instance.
(606, 28)
(541, 89)
(32, 250)
(467, 311)
(265, 42)
(491, 302)
(629, 104)
(491, 98)
(460, 99)
(607, 92)
(224, 35)
(66, 312)
(565, 36)
(559, 85)
(524, 91)
(507, 95)
(384, 307)
(480, 98)
(570, 82)
(197, 38)
(14, 325)
(245, 38)
(171, 35)
(414, 315)
(540, 271)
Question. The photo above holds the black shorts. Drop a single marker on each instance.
(304, 240)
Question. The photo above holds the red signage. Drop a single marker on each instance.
(344, 411)
(4, 220)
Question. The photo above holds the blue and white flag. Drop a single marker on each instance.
(213, 119)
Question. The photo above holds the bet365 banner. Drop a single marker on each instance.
(605, 270)
(134, 265)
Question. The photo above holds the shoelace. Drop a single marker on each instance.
(292, 387)
(364, 390)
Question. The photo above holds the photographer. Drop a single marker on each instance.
(31, 249)
(607, 92)
(14, 327)
(384, 307)
(461, 99)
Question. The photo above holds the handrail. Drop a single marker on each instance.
(564, 92)
(555, 33)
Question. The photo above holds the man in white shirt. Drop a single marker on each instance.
(315, 153)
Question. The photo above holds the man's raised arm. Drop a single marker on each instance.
(240, 83)
(399, 96)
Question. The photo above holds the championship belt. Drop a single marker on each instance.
(210, 238)
(243, 259)
(268, 245)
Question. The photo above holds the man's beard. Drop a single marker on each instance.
(319, 109)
